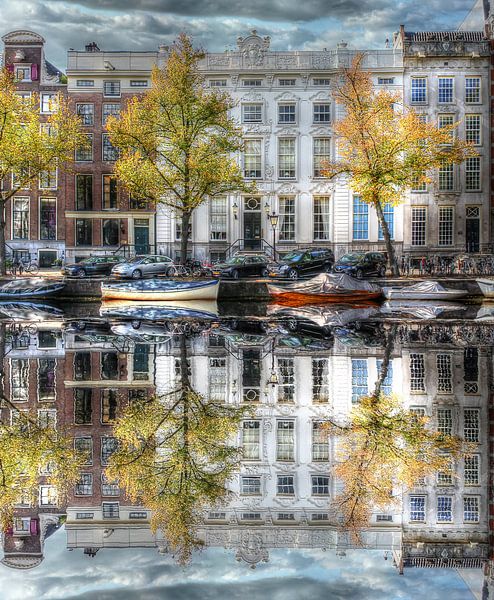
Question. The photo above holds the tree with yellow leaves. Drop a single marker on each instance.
(177, 141)
(176, 454)
(31, 145)
(384, 149)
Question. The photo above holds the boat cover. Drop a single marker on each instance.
(322, 315)
(428, 286)
(414, 308)
(30, 286)
(329, 283)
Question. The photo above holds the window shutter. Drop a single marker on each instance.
(10, 68)
(34, 72)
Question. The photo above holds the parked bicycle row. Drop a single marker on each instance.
(462, 264)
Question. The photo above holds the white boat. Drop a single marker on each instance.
(161, 289)
(486, 287)
(424, 290)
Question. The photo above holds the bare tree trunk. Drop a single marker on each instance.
(2, 237)
(184, 242)
(383, 370)
(393, 265)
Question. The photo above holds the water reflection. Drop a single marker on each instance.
(249, 432)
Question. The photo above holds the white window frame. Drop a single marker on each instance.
(473, 134)
(440, 89)
(318, 156)
(287, 145)
(473, 176)
(414, 221)
(258, 112)
(479, 88)
(253, 157)
(108, 85)
(446, 226)
(282, 115)
(45, 99)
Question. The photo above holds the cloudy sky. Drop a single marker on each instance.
(215, 24)
(124, 574)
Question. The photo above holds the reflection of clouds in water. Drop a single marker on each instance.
(129, 574)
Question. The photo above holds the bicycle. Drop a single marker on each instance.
(178, 271)
(19, 267)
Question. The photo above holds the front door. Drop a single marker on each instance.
(141, 236)
(252, 230)
(472, 234)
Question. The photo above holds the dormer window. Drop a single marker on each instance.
(23, 73)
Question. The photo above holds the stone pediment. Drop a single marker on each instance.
(253, 48)
(22, 36)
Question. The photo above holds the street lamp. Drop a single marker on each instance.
(273, 219)
(273, 380)
(235, 210)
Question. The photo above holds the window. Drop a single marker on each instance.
(85, 83)
(320, 81)
(444, 509)
(446, 121)
(84, 515)
(83, 192)
(251, 435)
(219, 220)
(20, 219)
(109, 365)
(285, 440)
(286, 113)
(47, 418)
(86, 112)
(140, 364)
(419, 90)
(83, 232)
(286, 158)
(47, 495)
(250, 516)
(417, 373)
(110, 110)
(48, 103)
(286, 222)
(320, 442)
(138, 83)
(472, 129)
(109, 403)
(444, 421)
(321, 218)
(472, 90)
(48, 219)
(84, 446)
(322, 112)
(84, 487)
(387, 384)
(217, 379)
(446, 225)
(138, 515)
(385, 80)
(109, 488)
(252, 82)
(111, 510)
(471, 421)
(320, 485)
(471, 370)
(472, 174)
(110, 153)
(46, 379)
(445, 477)
(286, 517)
(23, 74)
(285, 485)
(320, 378)
(319, 517)
(360, 219)
(83, 411)
(82, 366)
(444, 374)
(19, 379)
(417, 508)
(471, 509)
(286, 82)
(359, 378)
(322, 155)
(389, 217)
(111, 88)
(286, 387)
(446, 177)
(85, 153)
(419, 220)
(108, 446)
(472, 469)
(252, 159)
(445, 90)
(250, 485)
(48, 179)
(217, 83)
(110, 195)
(252, 113)
(419, 185)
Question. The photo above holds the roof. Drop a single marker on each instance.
(444, 36)
(52, 70)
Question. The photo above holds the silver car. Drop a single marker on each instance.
(139, 266)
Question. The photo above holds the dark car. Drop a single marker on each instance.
(93, 265)
(360, 264)
(242, 266)
(305, 261)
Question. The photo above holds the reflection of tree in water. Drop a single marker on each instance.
(384, 446)
(31, 447)
(176, 456)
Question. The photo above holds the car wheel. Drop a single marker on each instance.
(328, 267)
(291, 325)
(170, 272)
(359, 274)
(265, 273)
(235, 274)
(135, 324)
(137, 274)
(80, 325)
(81, 273)
(293, 274)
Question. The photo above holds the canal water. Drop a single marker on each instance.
(154, 451)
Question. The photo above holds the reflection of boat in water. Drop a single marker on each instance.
(30, 288)
(486, 287)
(159, 311)
(485, 313)
(321, 315)
(417, 309)
(424, 290)
(28, 311)
(161, 290)
(143, 333)
(360, 335)
(325, 287)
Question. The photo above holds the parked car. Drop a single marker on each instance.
(304, 261)
(242, 266)
(93, 265)
(359, 264)
(139, 266)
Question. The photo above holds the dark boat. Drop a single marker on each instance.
(30, 288)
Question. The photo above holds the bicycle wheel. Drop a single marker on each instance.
(32, 329)
(33, 269)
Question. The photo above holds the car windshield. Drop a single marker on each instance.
(136, 260)
(236, 260)
(349, 259)
(293, 256)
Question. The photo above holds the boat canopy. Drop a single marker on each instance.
(331, 283)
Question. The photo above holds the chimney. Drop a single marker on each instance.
(92, 47)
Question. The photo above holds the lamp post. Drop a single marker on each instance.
(273, 219)
(273, 380)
